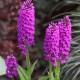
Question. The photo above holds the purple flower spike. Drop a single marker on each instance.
(51, 43)
(11, 63)
(57, 41)
(65, 38)
(26, 23)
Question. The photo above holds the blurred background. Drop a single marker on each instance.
(46, 11)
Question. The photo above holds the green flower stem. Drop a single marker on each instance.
(28, 61)
(28, 65)
(50, 72)
(12, 78)
(57, 72)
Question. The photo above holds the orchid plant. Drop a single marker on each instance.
(56, 45)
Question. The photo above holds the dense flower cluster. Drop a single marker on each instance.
(26, 23)
(57, 41)
(11, 70)
(65, 38)
(51, 43)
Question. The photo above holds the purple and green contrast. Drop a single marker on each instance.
(11, 64)
(56, 44)
(57, 41)
(26, 23)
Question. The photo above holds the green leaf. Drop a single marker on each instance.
(22, 73)
(27, 73)
(2, 66)
(76, 31)
(33, 66)
(52, 77)
(44, 78)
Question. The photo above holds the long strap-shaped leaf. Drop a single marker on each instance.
(22, 73)
(2, 66)
(44, 78)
